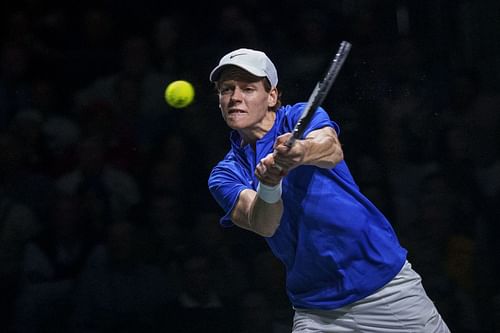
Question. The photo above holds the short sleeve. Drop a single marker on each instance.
(225, 184)
(319, 120)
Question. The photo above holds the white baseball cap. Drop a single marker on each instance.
(253, 61)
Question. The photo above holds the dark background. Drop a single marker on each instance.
(106, 223)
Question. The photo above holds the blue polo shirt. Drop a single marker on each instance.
(337, 247)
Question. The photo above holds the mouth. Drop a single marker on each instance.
(236, 114)
(235, 111)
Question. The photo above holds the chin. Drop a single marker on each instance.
(236, 125)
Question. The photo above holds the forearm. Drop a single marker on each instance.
(254, 214)
(322, 149)
(264, 218)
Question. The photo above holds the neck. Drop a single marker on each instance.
(251, 135)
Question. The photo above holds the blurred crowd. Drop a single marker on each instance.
(106, 223)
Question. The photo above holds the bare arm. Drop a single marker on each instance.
(320, 148)
(254, 214)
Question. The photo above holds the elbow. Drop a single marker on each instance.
(338, 153)
(336, 156)
(266, 229)
(264, 219)
(339, 156)
(268, 232)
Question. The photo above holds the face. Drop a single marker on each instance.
(245, 107)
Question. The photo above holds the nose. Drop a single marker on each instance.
(236, 95)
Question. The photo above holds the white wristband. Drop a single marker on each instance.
(270, 194)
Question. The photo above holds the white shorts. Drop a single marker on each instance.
(400, 306)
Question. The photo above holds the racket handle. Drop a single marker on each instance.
(290, 142)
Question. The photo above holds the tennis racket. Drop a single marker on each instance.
(320, 91)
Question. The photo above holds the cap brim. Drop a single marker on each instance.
(215, 74)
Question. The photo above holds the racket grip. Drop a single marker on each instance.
(276, 165)
(290, 142)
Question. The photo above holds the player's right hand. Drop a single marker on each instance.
(288, 157)
(268, 172)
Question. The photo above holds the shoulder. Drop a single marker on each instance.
(228, 160)
(226, 164)
(289, 115)
(294, 111)
(228, 167)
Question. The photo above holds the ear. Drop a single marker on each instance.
(272, 98)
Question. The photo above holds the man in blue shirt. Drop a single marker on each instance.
(346, 271)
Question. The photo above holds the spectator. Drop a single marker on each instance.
(18, 225)
(199, 306)
(255, 314)
(109, 192)
(145, 84)
(117, 291)
(52, 264)
(231, 270)
(15, 90)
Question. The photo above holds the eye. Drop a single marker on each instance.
(225, 90)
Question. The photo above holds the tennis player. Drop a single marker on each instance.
(346, 270)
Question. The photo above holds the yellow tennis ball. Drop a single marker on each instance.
(179, 94)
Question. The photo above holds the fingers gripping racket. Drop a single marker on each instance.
(320, 91)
